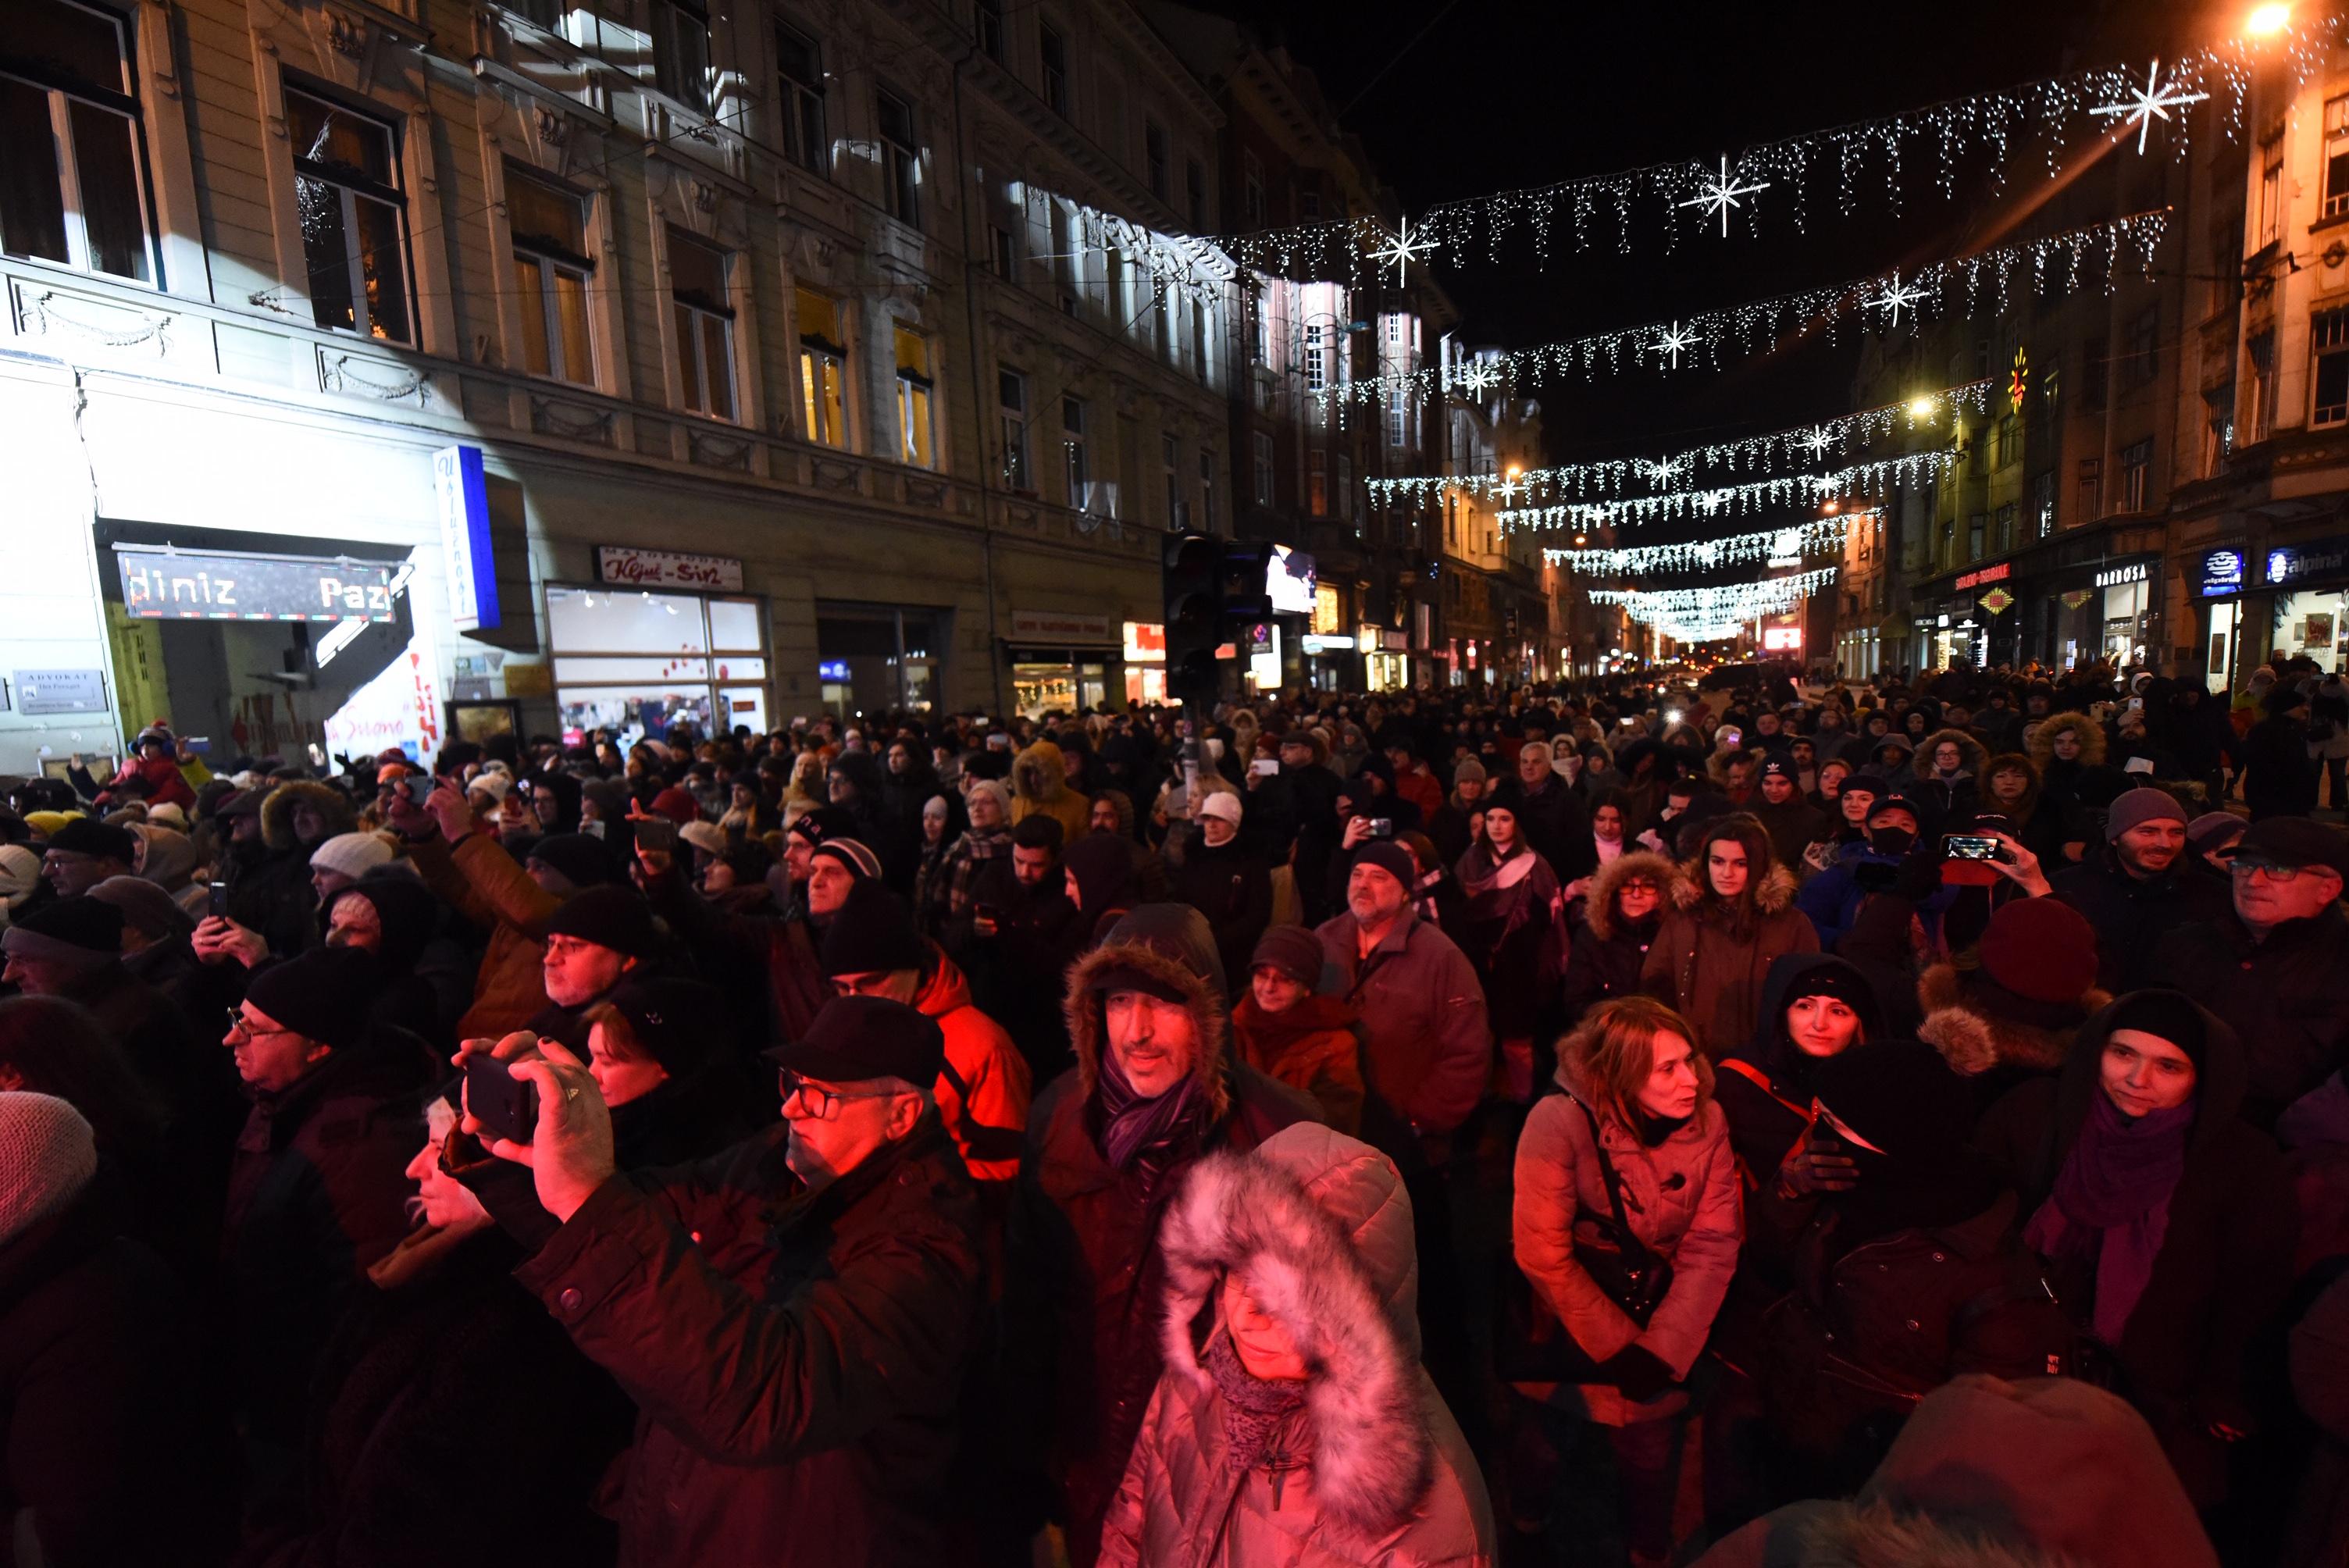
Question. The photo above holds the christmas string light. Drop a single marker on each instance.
(1615, 476)
(1770, 544)
(2054, 114)
(1954, 285)
(1731, 604)
(1785, 490)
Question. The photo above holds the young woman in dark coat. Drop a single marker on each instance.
(1610, 941)
(2168, 1224)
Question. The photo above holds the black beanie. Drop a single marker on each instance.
(80, 925)
(872, 933)
(322, 994)
(1846, 984)
(102, 840)
(581, 858)
(676, 1022)
(2170, 1016)
(824, 822)
(608, 916)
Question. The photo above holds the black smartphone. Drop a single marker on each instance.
(505, 1106)
(1383, 827)
(988, 912)
(216, 899)
(1970, 846)
(656, 833)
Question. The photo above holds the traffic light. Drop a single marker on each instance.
(1215, 589)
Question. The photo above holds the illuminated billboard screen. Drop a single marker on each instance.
(1288, 580)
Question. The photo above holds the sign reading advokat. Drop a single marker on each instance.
(634, 568)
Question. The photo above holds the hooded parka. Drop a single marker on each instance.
(1712, 953)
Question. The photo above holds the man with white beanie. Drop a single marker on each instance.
(347, 857)
(1225, 879)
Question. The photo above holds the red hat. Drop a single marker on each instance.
(2042, 949)
(676, 805)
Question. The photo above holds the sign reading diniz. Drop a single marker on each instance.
(635, 568)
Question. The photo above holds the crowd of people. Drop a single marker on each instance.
(1783, 1120)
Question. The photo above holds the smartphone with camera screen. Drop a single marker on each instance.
(658, 834)
(1970, 846)
(505, 1106)
(1383, 827)
(216, 899)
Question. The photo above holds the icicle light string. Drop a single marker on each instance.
(1769, 544)
(1784, 489)
(1767, 181)
(1961, 285)
(1823, 439)
(1733, 602)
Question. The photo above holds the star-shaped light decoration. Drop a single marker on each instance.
(1401, 249)
(1718, 192)
(1505, 494)
(1817, 442)
(1475, 377)
(1897, 295)
(1675, 343)
(1662, 473)
(1712, 500)
(2154, 103)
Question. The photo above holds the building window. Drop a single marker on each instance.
(2042, 503)
(2336, 156)
(1398, 423)
(2137, 463)
(705, 324)
(1154, 157)
(345, 175)
(1012, 407)
(2218, 428)
(2270, 228)
(2092, 490)
(1251, 191)
(1263, 468)
(1346, 498)
(2328, 340)
(1054, 52)
(681, 51)
(1974, 527)
(1317, 483)
(2009, 440)
(988, 16)
(2095, 368)
(1194, 185)
(1259, 330)
(1208, 492)
(901, 158)
(2144, 347)
(2007, 516)
(551, 273)
(1978, 451)
(2263, 386)
(1309, 206)
(799, 70)
(74, 192)
(1072, 450)
(917, 434)
(1001, 248)
(1316, 364)
(824, 369)
(1950, 541)
(1170, 458)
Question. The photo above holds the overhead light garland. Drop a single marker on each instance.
(1785, 490)
(1962, 283)
(1731, 604)
(1770, 544)
(1615, 476)
(2049, 117)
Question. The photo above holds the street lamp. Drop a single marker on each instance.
(1921, 407)
(2266, 20)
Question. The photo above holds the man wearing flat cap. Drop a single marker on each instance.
(792, 1316)
(2271, 965)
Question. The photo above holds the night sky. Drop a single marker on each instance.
(1493, 96)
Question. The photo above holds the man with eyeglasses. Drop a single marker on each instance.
(792, 1316)
(2275, 966)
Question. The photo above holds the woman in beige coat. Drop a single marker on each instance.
(1294, 1426)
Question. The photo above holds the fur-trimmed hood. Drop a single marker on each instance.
(2092, 740)
(1974, 1040)
(1971, 753)
(277, 812)
(1040, 773)
(1608, 880)
(1321, 1227)
(1689, 893)
(1172, 945)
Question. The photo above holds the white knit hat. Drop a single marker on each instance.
(705, 836)
(48, 1155)
(20, 874)
(494, 784)
(1223, 803)
(353, 854)
(170, 815)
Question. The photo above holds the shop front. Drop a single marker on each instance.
(2218, 578)
(1062, 660)
(879, 658)
(2311, 581)
(1146, 663)
(659, 638)
(1386, 658)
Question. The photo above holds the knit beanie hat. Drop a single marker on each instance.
(169, 814)
(829, 822)
(994, 788)
(579, 859)
(1292, 951)
(494, 784)
(609, 916)
(673, 1020)
(77, 931)
(321, 994)
(872, 933)
(102, 840)
(676, 805)
(145, 907)
(860, 862)
(353, 854)
(2035, 964)
(1391, 858)
(20, 874)
(2210, 832)
(2137, 806)
(48, 824)
(2171, 1016)
(1469, 771)
(48, 1155)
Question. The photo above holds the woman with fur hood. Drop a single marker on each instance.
(2064, 746)
(2004, 1011)
(2048, 827)
(1039, 787)
(1946, 766)
(1636, 1118)
(1731, 911)
(1294, 1425)
(1609, 940)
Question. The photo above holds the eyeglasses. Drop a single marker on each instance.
(2243, 868)
(238, 1024)
(819, 1103)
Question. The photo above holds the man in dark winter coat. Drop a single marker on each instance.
(2140, 889)
(1224, 878)
(1109, 1142)
(2272, 966)
(1016, 939)
(2279, 778)
(1551, 814)
(792, 1316)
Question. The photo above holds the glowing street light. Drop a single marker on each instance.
(1921, 408)
(2266, 20)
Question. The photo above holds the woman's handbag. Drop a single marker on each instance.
(1531, 1344)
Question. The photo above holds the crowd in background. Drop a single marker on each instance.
(1782, 1120)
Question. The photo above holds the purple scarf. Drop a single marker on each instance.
(1255, 1408)
(2110, 1209)
(1138, 1130)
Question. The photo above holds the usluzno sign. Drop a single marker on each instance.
(634, 568)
